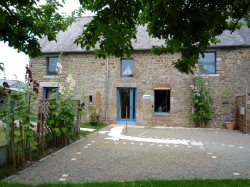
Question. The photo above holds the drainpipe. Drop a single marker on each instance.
(107, 89)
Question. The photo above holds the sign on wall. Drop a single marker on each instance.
(146, 96)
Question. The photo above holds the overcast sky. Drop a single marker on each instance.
(15, 62)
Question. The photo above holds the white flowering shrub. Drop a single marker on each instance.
(62, 111)
(202, 102)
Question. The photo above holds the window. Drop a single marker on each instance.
(50, 92)
(90, 99)
(127, 68)
(52, 65)
(207, 64)
(162, 101)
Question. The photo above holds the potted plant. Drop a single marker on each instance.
(93, 115)
(228, 97)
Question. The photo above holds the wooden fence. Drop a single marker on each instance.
(241, 113)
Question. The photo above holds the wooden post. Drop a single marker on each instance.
(78, 117)
(126, 119)
(13, 143)
(42, 126)
(22, 145)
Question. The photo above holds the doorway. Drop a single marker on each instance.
(126, 107)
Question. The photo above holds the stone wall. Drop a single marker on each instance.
(234, 70)
(87, 71)
(151, 72)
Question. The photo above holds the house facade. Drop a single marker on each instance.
(145, 89)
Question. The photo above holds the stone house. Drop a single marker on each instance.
(155, 93)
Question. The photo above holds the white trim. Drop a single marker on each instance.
(50, 76)
(162, 88)
(210, 75)
(49, 84)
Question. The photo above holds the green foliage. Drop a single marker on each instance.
(187, 27)
(1, 66)
(1, 90)
(62, 111)
(22, 23)
(93, 115)
(97, 127)
(146, 183)
(17, 111)
(202, 102)
(2, 136)
(61, 119)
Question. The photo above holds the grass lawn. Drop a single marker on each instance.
(147, 183)
(87, 125)
(2, 137)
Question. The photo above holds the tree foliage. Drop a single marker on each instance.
(187, 26)
(23, 22)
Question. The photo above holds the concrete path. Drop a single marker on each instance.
(146, 153)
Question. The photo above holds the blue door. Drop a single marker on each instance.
(126, 106)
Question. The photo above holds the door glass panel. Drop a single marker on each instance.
(133, 104)
(124, 96)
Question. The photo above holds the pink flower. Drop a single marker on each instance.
(6, 85)
(35, 90)
(35, 83)
(29, 73)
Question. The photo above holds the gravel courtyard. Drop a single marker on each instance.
(146, 153)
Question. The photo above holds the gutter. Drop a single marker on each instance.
(107, 90)
(138, 49)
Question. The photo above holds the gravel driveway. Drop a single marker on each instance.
(146, 153)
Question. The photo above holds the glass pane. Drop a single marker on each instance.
(52, 70)
(124, 96)
(133, 104)
(207, 69)
(162, 100)
(207, 64)
(127, 68)
(50, 93)
(52, 65)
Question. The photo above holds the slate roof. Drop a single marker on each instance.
(65, 39)
(14, 84)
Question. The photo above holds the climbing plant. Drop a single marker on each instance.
(201, 101)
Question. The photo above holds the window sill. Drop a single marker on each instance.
(161, 113)
(50, 76)
(127, 77)
(210, 75)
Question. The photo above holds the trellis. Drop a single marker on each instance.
(241, 117)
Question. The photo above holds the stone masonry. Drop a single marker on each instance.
(232, 68)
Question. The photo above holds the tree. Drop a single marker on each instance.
(23, 22)
(186, 26)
